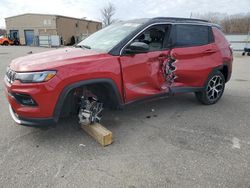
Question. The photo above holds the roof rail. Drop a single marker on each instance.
(180, 19)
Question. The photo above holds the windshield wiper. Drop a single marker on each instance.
(83, 46)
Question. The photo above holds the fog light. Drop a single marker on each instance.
(24, 99)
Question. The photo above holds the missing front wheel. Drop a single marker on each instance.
(90, 110)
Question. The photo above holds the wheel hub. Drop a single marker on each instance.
(90, 110)
(214, 88)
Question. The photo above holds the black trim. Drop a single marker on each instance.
(19, 97)
(164, 43)
(220, 68)
(174, 36)
(229, 74)
(32, 122)
(115, 51)
(174, 19)
(67, 89)
(147, 98)
(211, 35)
(175, 90)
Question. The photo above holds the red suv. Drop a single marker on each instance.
(118, 65)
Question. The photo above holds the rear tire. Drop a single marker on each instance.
(213, 90)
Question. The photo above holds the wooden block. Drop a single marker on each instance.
(99, 133)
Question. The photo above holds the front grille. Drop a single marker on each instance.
(10, 75)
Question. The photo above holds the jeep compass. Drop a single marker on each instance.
(123, 63)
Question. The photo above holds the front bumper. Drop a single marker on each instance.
(30, 121)
(44, 94)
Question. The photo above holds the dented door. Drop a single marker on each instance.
(143, 74)
(195, 55)
(193, 64)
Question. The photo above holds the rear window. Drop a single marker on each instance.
(192, 35)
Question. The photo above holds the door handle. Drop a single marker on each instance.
(209, 51)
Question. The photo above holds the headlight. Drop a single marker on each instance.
(30, 77)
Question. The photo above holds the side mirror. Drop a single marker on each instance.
(137, 47)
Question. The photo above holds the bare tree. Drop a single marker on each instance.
(231, 24)
(107, 14)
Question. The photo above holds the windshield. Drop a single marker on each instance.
(107, 38)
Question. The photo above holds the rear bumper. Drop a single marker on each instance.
(34, 122)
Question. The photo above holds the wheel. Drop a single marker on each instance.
(5, 43)
(16, 42)
(243, 53)
(213, 90)
(248, 53)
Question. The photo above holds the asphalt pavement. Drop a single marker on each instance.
(172, 142)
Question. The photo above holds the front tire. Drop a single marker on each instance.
(213, 90)
(5, 43)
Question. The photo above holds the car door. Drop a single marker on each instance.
(143, 73)
(194, 56)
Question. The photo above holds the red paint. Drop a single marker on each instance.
(194, 64)
(136, 76)
(142, 74)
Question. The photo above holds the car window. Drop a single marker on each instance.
(154, 36)
(192, 35)
(105, 39)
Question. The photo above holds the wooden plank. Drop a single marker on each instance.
(99, 133)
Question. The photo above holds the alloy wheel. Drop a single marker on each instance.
(215, 88)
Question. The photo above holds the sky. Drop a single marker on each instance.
(125, 9)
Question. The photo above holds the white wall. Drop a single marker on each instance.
(239, 42)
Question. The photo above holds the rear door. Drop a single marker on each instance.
(143, 73)
(195, 55)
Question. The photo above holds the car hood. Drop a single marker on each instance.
(54, 58)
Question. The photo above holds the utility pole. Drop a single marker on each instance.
(191, 14)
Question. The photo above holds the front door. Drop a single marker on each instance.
(143, 73)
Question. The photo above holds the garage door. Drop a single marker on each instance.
(29, 36)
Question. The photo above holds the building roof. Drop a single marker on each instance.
(56, 15)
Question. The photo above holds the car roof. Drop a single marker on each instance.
(184, 20)
(175, 19)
